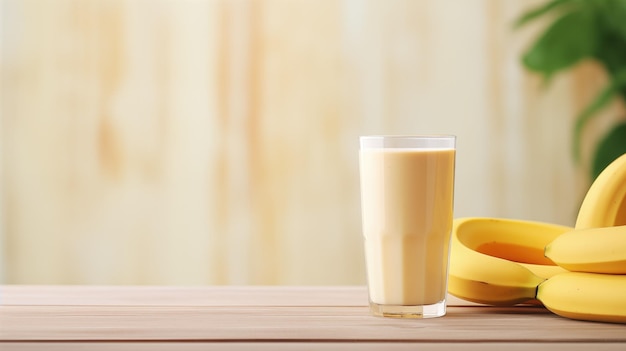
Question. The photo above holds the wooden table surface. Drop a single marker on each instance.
(271, 318)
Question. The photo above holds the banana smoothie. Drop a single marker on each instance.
(407, 204)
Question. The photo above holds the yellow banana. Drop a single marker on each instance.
(489, 280)
(604, 204)
(585, 296)
(514, 240)
(595, 250)
(483, 255)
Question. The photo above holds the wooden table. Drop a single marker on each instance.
(271, 318)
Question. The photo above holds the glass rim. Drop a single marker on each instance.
(408, 136)
(417, 142)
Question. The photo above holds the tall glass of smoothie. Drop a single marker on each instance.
(407, 191)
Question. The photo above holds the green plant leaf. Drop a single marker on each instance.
(540, 11)
(613, 13)
(601, 101)
(611, 52)
(611, 24)
(568, 40)
(609, 148)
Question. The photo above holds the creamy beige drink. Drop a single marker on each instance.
(407, 203)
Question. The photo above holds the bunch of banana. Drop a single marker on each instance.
(576, 273)
(595, 252)
(487, 266)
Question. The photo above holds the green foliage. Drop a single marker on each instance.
(584, 30)
(602, 99)
(568, 40)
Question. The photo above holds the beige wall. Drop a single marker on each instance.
(214, 142)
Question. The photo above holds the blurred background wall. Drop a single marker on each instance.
(215, 142)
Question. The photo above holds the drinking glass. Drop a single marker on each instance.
(407, 191)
